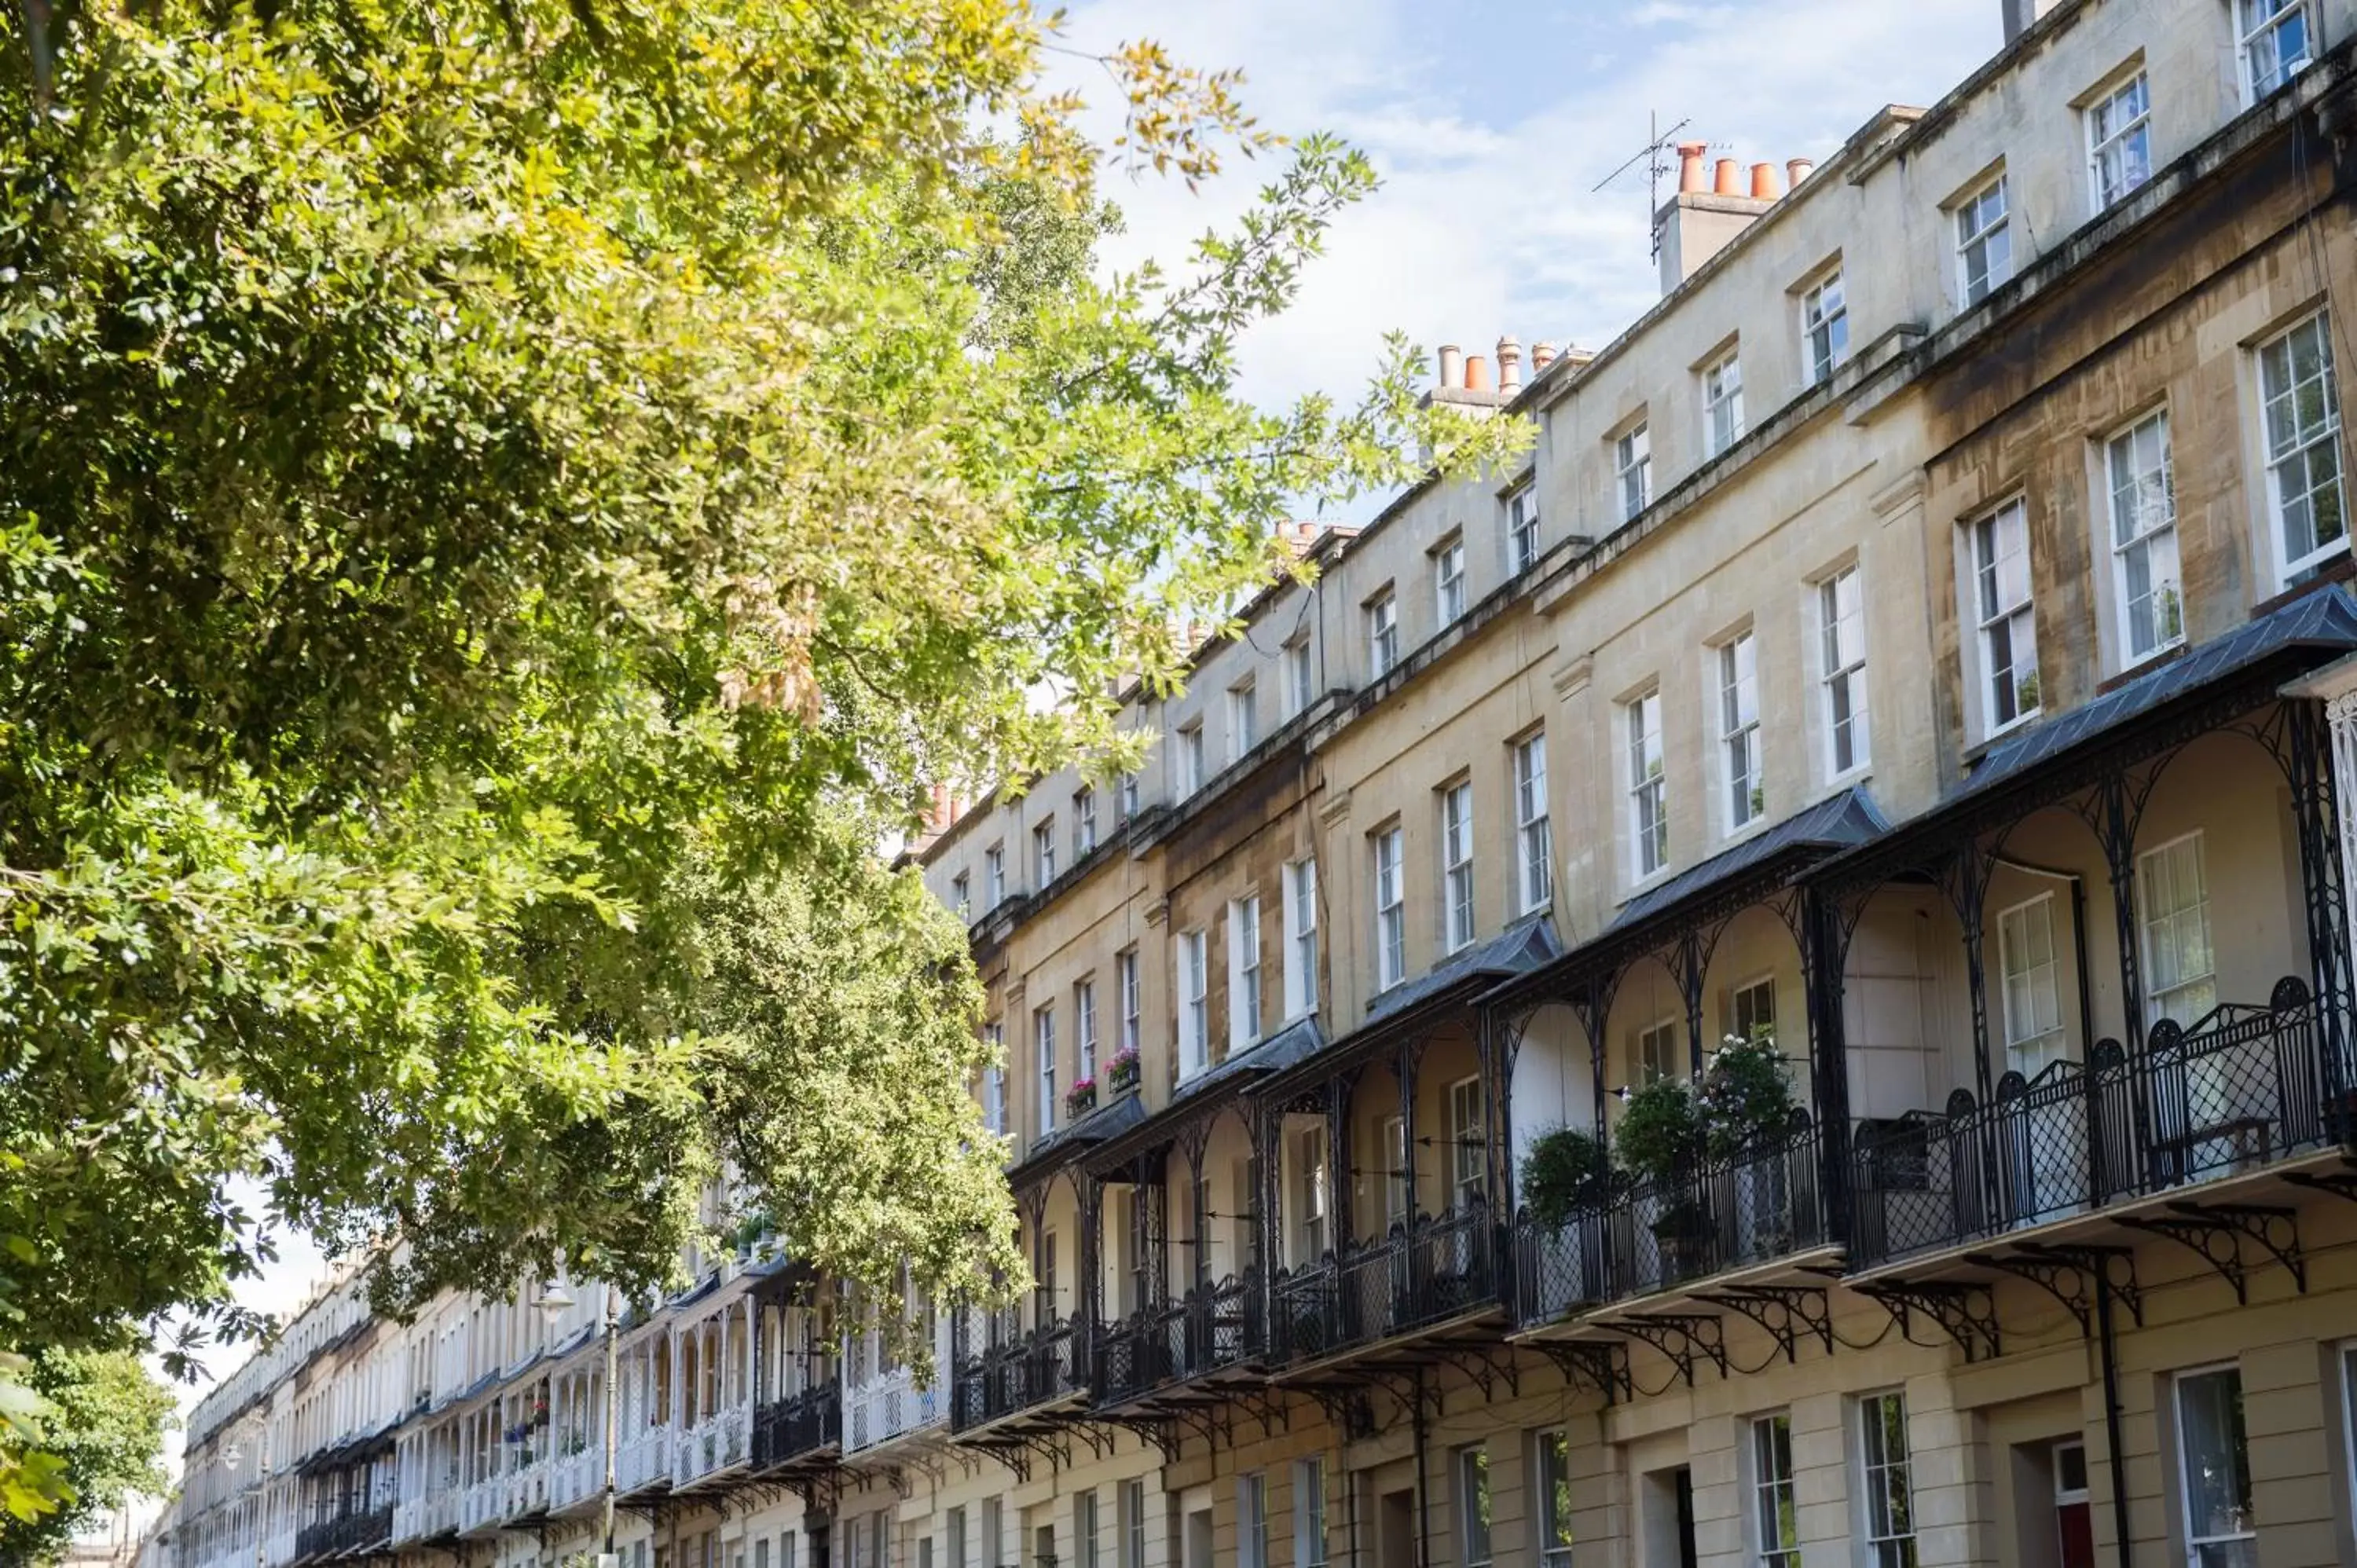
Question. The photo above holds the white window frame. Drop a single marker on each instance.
(1300, 938)
(2194, 1542)
(1984, 235)
(1126, 995)
(1243, 719)
(1656, 1055)
(1551, 1463)
(1841, 676)
(1301, 686)
(2201, 985)
(994, 875)
(1194, 1015)
(1399, 1176)
(2304, 450)
(962, 896)
(1458, 922)
(1890, 1548)
(1773, 1516)
(1312, 1234)
(1391, 908)
(2140, 493)
(1084, 1528)
(1043, 1042)
(1383, 634)
(1043, 852)
(1633, 470)
(1647, 785)
(1192, 773)
(1084, 1029)
(1243, 972)
(2040, 983)
(1468, 1131)
(1741, 751)
(1309, 1549)
(2255, 20)
(1722, 403)
(1824, 325)
(994, 1085)
(1084, 821)
(1126, 797)
(1252, 1519)
(1523, 530)
(1992, 539)
(1448, 580)
(2119, 141)
(1749, 996)
(1534, 825)
(1133, 1526)
(1472, 1477)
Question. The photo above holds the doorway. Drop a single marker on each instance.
(1198, 1537)
(1395, 1530)
(1666, 1499)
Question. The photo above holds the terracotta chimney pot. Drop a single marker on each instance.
(1451, 365)
(1798, 169)
(1731, 177)
(1690, 176)
(1763, 183)
(1476, 373)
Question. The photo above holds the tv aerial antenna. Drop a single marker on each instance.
(1653, 156)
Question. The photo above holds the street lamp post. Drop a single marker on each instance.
(556, 1299)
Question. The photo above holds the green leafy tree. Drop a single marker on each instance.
(503, 504)
(104, 1430)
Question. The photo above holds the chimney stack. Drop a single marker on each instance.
(1476, 373)
(1690, 175)
(1510, 363)
(2021, 16)
(1542, 356)
(1451, 370)
(1796, 170)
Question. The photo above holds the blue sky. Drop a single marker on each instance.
(1490, 122)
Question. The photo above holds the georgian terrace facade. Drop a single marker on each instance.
(1918, 639)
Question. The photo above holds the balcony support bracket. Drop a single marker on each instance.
(1683, 1337)
(1485, 1365)
(1346, 1407)
(2214, 1232)
(1965, 1313)
(1603, 1365)
(1152, 1429)
(2341, 1183)
(1786, 1312)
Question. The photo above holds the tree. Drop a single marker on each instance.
(503, 503)
(105, 1429)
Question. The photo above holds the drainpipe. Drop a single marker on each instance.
(2105, 1340)
(1423, 1492)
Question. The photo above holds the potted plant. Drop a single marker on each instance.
(1745, 1092)
(2025, 694)
(1564, 1169)
(1123, 1071)
(1082, 1098)
(1660, 1141)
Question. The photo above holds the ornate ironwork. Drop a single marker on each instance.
(798, 1428)
(1428, 1271)
(1603, 1365)
(2069, 1275)
(1967, 1313)
(1683, 1337)
(1786, 1312)
(1758, 1205)
(2215, 1232)
(1006, 1378)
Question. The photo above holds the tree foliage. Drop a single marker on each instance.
(502, 503)
(104, 1430)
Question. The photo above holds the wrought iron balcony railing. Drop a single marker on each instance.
(798, 1427)
(1004, 1379)
(1212, 1327)
(1752, 1206)
(1431, 1269)
(345, 1535)
(2243, 1087)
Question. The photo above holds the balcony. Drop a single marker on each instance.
(1434, 1269)
(578, 1473)
(2242, 1088)
(527, 1488)
(423, 1517)
(483, 1506)
(886, 1408)
(712, 1447)
(1212, 1329)
(644, 1460)
(806, 1427)
(351, 1534)
(1757, 1206)
(1028, 1371)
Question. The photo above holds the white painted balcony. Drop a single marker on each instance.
(720, 1443)
(579, 1474)
(527, 1489)
(480, 1508)
(877, 1411)
(644, 1458)
(282, 1545)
